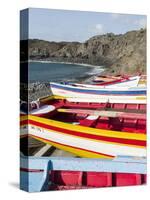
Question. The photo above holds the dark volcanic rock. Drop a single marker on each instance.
(124, 53)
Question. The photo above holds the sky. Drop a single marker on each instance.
(63, 25)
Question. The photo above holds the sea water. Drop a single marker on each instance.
(47, 71)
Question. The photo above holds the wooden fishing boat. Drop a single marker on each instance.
(120, 82)
(43, 109)
(92, 132)
(48, 104)
(129, 82)
(98, 94)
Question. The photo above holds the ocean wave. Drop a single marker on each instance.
(97, 70)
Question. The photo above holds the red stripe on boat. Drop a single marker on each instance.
(113, 82)
(90, 136)
(24, 122)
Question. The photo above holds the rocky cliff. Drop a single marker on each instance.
(124, 53)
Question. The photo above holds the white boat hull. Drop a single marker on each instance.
(85, 97)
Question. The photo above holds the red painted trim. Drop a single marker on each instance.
(112, 82)
(90, 136)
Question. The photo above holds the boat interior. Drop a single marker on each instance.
(108, 123)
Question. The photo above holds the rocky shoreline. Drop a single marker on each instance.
(37, 90)
(34, 91)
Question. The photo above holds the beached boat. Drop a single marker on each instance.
(98, 94)
(128, 82)
(119, 82)
(89, 132)
(48, 104)
(42, 108)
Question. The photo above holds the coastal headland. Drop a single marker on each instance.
(123, 53)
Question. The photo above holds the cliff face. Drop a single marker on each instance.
(125, 53)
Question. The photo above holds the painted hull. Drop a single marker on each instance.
(113, 95)
(84, 141)
(78, 91)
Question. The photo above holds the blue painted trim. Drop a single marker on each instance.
(103, 92)
(120, 164)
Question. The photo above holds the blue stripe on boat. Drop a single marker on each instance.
(103, 92)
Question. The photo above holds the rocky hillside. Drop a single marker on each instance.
(124, 53)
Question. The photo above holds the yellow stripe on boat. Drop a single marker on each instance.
(24, 117)
(93, 131)
(141, 98)
(51, 97)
